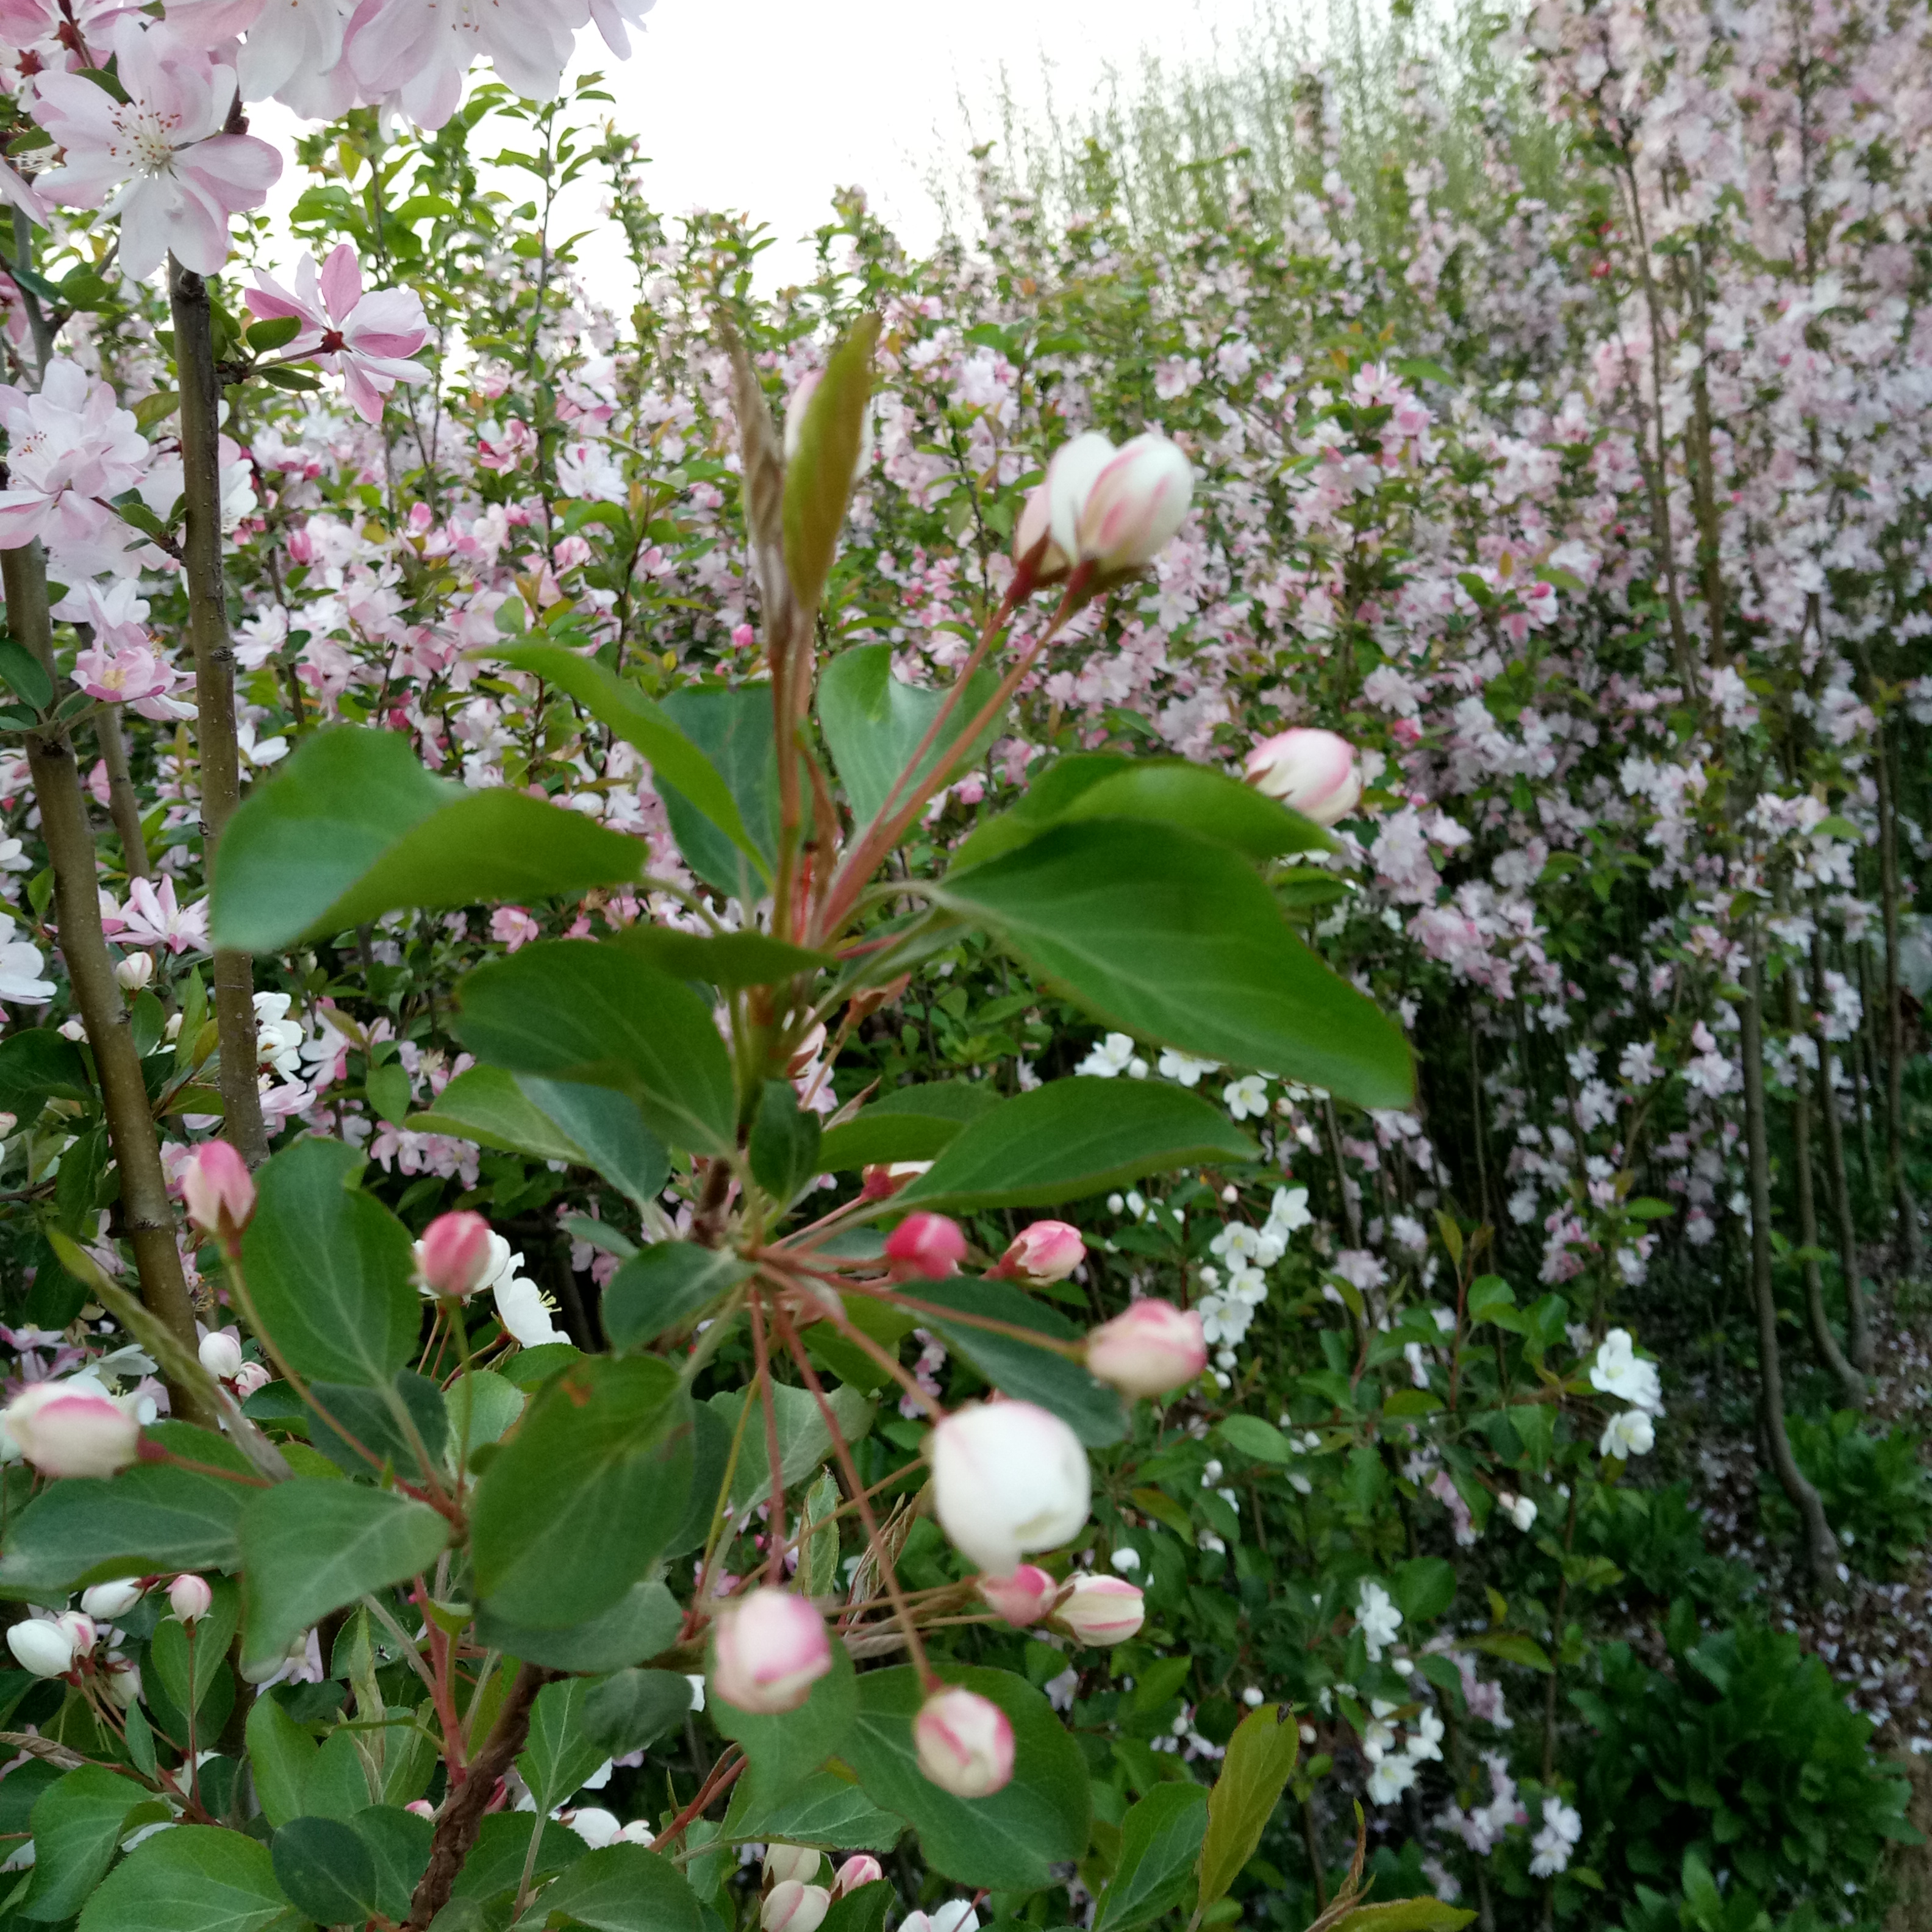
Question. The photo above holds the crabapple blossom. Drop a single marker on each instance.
(1008, 1478)
(791, 1906)
(1377, 1618)
(1101, 1609)
(70, 446)
(1151, 1347)
(1022, 1598)
(41, 1646)
(1046, 1251)
(72, 1428)
(220, 1355)
(925, 1247)
(190, 1598)
(368, 340)
(1311, 772)
(217, 1190)
(769, 1649)
(419, 50)
(1628, 1433)
(965, 1743)
(21, 968)
(454, 1255)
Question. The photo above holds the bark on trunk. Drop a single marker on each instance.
(1857, 1315)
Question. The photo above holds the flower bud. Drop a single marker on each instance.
(881, 1183)
(1033, 540)
(190, 1598)
(80, 1630)
(72, 1428)
(862, 1869)
(1046, 1251)
(925, 1247)
(594, 1825)
(784, 1861)
(134, 972)
(420, 1807)
(793, 1906)
(221, 1356)
(769, 1650)
(1022, 1598)
(797, 404)
(250, 1377)
(8, 1122)
(453, 1257)
(217, 1190)
(1150, 1348)
(965, 1743)
(109, 1603)
(1102, 1609)
(1313, 773)
(41, 1647)
(1008, 1478)
(122, 1681)
(1137, 504)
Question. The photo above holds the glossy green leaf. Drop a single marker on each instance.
(785, 1143)
(576, 1506)
(353, 827)
(734, 729)
(1074, 1138)
(398, 1842)
(874, 724)
(620, 1888)
(785, 1750)
(1160, 1839)
(642, 1623)
(729, 960)
(489, 1106)
(186, 1671)
(1253, 1435)
(77, 1825)
(312, 1546)
(329, 1268)
(1175, 938)
(633, 1709)
(819, 477)
(805, 1440)
(861, 1910)
(559, 1754)
(825, 1810)
(37, 1064)
(666, 1284)
(411, 1443)
(609, 1128)
(327, 1870)
(574, 1010)
(281, 1755)
(1010, 1842)
(905, 1124)
(195, 1878)
(1095, 1412)
(1261, 1756)
(490, 1874)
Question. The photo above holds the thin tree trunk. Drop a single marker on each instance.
(146, 1214)
(1821, 1545)
(122, 805)
(218, 750)
(1912, 1247)
(1858, 1319)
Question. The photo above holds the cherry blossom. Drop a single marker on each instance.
(69, 445)
(368, 339)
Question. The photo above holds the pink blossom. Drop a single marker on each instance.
(419, 50)
(153, 918)
(366, 340)
(70, 444)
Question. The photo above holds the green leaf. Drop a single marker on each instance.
(1405, 1915)
(1008, 1842)
(1171, 937)
(559, 1754)
(328, 1268)
(826, 1811)
(729, 960)
(481, 1407)
(805, 1441)
(873, 724)
(281, 1755)
(785, 1750)
(667, 1284)
(1094, 1412)
(571, 1009)
(642, 1623)
(1424, 1588)
(399, 1843)
(157, 408)
(278, 377)
(195, 1878)
(733, 728)
(77, 1825)
(1254, 1437)
(621, 1888)
(1073, 1138)
(862, 1909)
(169, 1651)
(327, 1870)
(25, 674)
(907, 1124)
(1513, 1648)
(37, 1064)
(352, 827)
(369, 1415)
(576, 1506)
(1160, 1839)
(785, 1143)
(633, 1709)
(649, 728)
(489, 1106)
(819, 477)
(495, 1861)
(1261, 1756)
(312, 1546)
(275, 331)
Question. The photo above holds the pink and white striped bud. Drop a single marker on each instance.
(965, 1743)
(134, 972)
(1152, 1348)
(250, 1377)
(792, 1906)
(81, 1631)
(453, 1257)
(72, 1428)
(109, 1603)
(863, 1869)
(1046, 1251)
(925, 1247)
(769, 1650)
(220, 1355)
(217, 1190)
(798, 1861)
(42, 1647)
(1022, 1598)
(1310, 772)
(1102, 1609)
(1008, 1478)
(1033, 540)
(1136, 506)
(190, 1598)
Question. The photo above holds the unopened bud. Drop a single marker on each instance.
(134, 972)
(1008, 1478)
(925, 1247)
(863, 1869)
(190, 1598)
(80, 1629)
(1022, 1598)
(108, 1602)
(1310, 772)
(1118, 509)
(217, 1190)
(220, 1356)
(1150, 1348)
(768, 1652)
(882, 1183)
(1102, 1609)
(965, 1743)
(72, 1428)
(453, 1257)
(792, 1906)
(250, 1377)
(1047, 1251)
(122, 1679)
(1032, 541)
(798, 1861)
(42, 1647)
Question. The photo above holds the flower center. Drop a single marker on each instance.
(149, 139)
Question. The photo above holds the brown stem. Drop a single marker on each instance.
(1912, 1247)
(1556, 1639)
(461, 1817)
(122, 804)
(217, 749)
(1821, 1545)
(1858, 1322)
(146, 1214)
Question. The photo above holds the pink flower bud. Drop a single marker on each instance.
(250, 1377)
(42, 1647)
(925, 1247)
(190, 1598)
(1153, 1347)
(1007, 1479)
(965, 1743)
(1022, 1598)
(80, 1629)
(421, 1806)
(1137, 504)
(1033, 540)
(1046, 1251)
(221, 1356)
(453, 1257)
(881, 1183)
(792, 1906)
(217, 1190)
(863, 1869)
(108, 1602)
(72, 1428)
(798, 1861)
(1313, 773)
(769, 1650)
(1102, 1609)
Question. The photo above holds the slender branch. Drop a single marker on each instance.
(122, 805)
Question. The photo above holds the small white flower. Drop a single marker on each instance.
(1183, 1067)
(1113, 1057)
(1562, 1826)
(1246, 1099)
(20, 980)
(1626, 1434)
(1377, 1618)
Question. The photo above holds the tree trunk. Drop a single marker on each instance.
(1912, 1248)
(1857, 1316)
